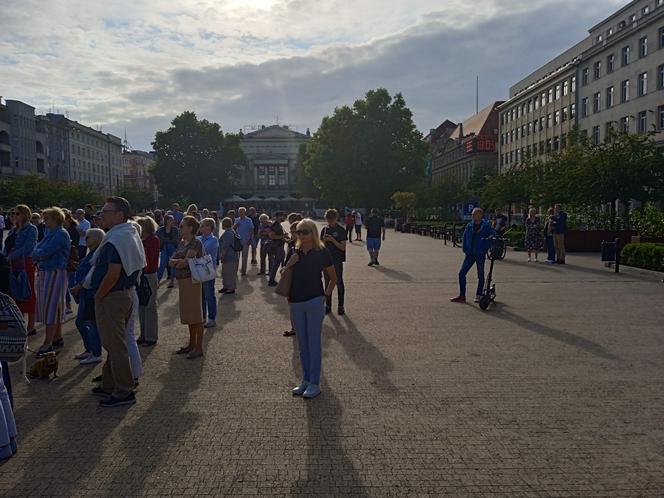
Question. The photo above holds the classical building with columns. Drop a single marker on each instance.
(269, 175)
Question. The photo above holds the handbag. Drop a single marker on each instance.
(144, 291)
(19, 287)
(237, 243)
(283, 287)
(202, 269)
(13, 333)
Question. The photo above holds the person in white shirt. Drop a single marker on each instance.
(83, 227)
(358, 225)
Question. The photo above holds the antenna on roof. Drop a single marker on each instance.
(477, 94)
(125, 144)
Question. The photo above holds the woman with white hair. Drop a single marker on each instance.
(85, 316)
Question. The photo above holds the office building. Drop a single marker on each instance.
(136, 166)
(22, 140)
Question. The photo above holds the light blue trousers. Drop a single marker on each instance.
(308, 321)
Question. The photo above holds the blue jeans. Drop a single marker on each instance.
(307, 318)
(88, 330)
(277, 261)
(165, 254)
(209, 301)
(550, 248)
(475, 259)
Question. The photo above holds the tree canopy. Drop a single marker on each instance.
(196, 161)
(362, 154)
(40, 192)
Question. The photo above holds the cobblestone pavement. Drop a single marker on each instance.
(558, 391)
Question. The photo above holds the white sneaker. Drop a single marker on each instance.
(529, 260)
(301, 389)
(82, 356)
(210, 324)
(90, 360)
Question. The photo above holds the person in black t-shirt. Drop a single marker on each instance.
(375, 234)
(334, 237)
(276, 251)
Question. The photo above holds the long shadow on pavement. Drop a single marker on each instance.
(329, 470)
(395, 274)
(361, 352)
(559, 335)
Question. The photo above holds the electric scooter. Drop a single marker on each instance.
(497, 251)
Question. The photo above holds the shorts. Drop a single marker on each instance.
(373, 244)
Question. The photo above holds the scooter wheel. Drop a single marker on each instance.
(484, 302)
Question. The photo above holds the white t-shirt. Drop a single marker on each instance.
(83, 225)
(358, 219)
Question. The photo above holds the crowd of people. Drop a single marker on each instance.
(111, 265)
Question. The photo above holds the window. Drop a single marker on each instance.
(625, 55)
(661, 37)
(609, 32)
(643, 84)
(624, 91)
(608, 130)
(548, 144)
(573, 84)
(564, 114)
(549, 120)
(557, 92)
(643, 122)
(645, 10)
(556, 118)
(530, 105)
(572, 111)
(518, 133)
(543, 99)
(660, 77)
(556, 143)
(542, 123)
(584, 107)
(610, 63)
(565, 88)
(585, 75)
(523, 131)
(563, 141)
(624, 124)
(660, 117)
(536, 103)
(609, 97)
(596, 135)
(598, 70)
(518, 112)
(643, 47)
(597, 102)
(530, 128)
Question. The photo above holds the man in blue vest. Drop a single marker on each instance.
(476, 244)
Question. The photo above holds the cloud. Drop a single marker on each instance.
(134, 65)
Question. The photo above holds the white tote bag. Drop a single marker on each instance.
(202, 269)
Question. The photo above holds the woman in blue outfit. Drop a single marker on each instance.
(20, 258)
(307, 302)
(85, 316)
(169, 239)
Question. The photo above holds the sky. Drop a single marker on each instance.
(134, 65)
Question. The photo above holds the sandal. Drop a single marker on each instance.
(194, 354)
(185, 350)
(289, 333)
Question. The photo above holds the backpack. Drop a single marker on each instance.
(13, 333)
(237, 243)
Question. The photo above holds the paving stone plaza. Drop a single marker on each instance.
(557, 391)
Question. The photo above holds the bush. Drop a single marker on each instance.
(516, 238)
(646, 256)
(649, 221)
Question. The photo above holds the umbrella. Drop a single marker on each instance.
(254, 198)
(234, 198)
(271, 199)
(288, 198)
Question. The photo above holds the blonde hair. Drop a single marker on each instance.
(209, 222)
(94, 235)
(56, 213)
(309, 224)
(263, 217)
(193, 208)
(226, 223)
(148, 225)
(24, 211)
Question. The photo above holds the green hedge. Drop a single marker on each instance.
(516, 238)
(647, 256)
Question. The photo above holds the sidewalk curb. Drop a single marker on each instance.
(655, 275)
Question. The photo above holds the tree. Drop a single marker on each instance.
(196, 160)
(507, 189)
(405, 201)
(362, 154)
(38, 192)
(304, 182)
(139, 199)
(479, 178)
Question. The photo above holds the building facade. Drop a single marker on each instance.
(271, 157)
(614, 78)
(22, 140)
(82, 154)
(136, 166)
(471, 145)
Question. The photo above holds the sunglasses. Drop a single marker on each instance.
(303, 232)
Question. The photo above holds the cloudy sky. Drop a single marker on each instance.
(132, 64)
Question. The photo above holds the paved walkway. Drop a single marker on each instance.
(557, 391)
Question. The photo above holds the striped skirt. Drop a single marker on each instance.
(51, 290)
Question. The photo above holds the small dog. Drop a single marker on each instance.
(44, 367)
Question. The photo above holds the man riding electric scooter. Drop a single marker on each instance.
(476, 243)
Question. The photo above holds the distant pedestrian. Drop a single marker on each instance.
(229, 258)
(253, 216)
(500, 222)
(20, 259)
(548, 233)
(37, 221)
(533, 234)
(264, 235)
(169, 239)
(210, 246)
(559, 231)
(357, 216)
(277, 240)
(290, 252)
(176, 213)
(334, 237)
(83, 227)
(476, 244)
(349, 221)
(244, 227)
(375, 235)
(147, 312)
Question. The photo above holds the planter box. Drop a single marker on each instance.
(591, 240)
